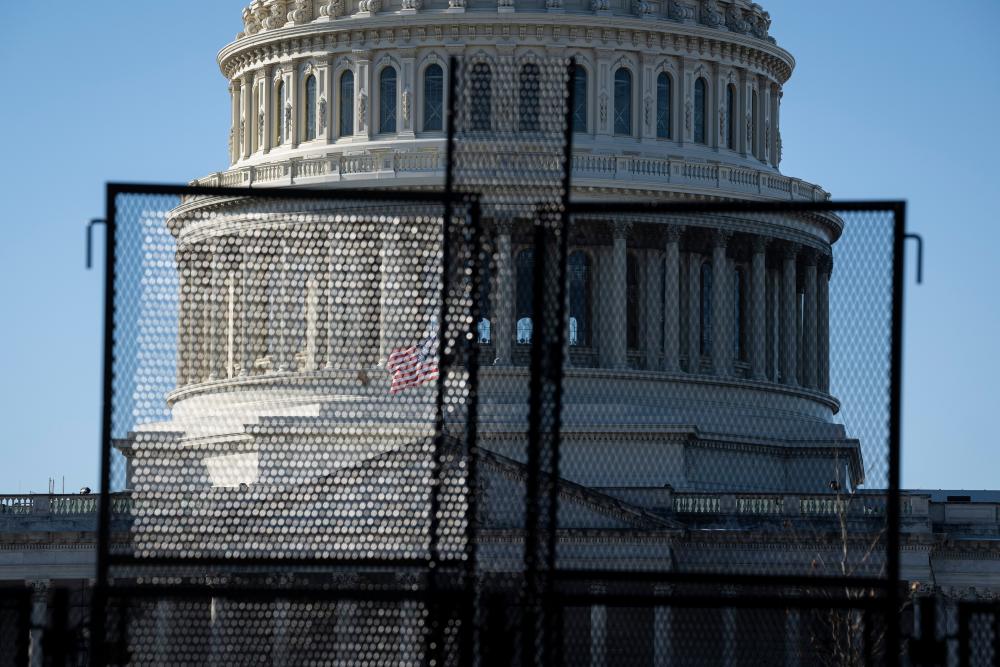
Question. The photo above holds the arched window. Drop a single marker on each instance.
(632, 301)
(623, 101)
(347, 103)
(579, 99)
(529, 99)
(480, 98)
(731, 117)
(310, 107)
(387, 100)
(433, 99)
(524, 277)
(280, 120)
(706, 309)
(663, 125)
(484, 327)
(700, 111)
(739, 315)
(579, 298)
(754, 129)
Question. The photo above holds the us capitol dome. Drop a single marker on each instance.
(673, 100)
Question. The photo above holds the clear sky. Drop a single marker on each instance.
(889, 99)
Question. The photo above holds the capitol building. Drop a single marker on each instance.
(706, 424)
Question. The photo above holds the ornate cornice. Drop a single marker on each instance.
(572, 30)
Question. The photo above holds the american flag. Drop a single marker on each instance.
(413, 365)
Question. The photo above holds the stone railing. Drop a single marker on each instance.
(627, 172)
(37, 504)
(808, 505)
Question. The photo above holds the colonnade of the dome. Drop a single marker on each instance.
(643, 296)
(353, 92)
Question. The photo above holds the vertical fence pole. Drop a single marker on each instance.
(99, 601)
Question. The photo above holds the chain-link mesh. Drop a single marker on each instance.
(290, 396)
(674, 401)
(978, 642)
(723, 380)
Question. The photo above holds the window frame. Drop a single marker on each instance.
(388, 100)
(586, 337)
(665, 114)
(627, 98)
(701, 115)
(310, 126)
(345, 102)
(579, 99)
(426, 98)
(482, 100)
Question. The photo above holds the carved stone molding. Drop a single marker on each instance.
(673, 233)
(760, 243)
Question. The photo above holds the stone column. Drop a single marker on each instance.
(694, 312)
(809, 328)
(292, 92)
(216, 632)
(746, 126)
(279, 633)
(246, 121)
(789, 308)
(333, 317)
(685, 80)
(598, 631)
(722, 334)
(652, 314)
(604, 85)
(259, 338)
(246, 285)
(389, 306)
(236, 96)
(362, 95)
(201, 358)
(766, 131)
(647, 107)
(729, 637)
(619, 296)
(185, 317)
(407, 83)
(672, 300)
(332, 93)
(162, 618)
(231, 323)
(312, 324)
(282, 356)
(775, 126)
(771, 318)
(267, 87)
(39, 621)
(214, 275)
(503, 294)
(823, 323)
(793, 656)
(662, 644)
(758, 310)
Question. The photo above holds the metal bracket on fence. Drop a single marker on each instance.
(920, 255)
(90, 242)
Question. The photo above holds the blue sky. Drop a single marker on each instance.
(889, 99)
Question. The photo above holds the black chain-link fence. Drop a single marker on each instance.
(488, 426)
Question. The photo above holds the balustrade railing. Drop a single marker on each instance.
(697, 504)
(813, 505)
(585, 165)
(61, 504)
